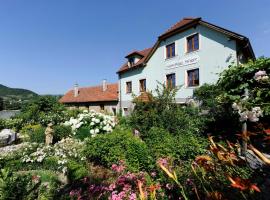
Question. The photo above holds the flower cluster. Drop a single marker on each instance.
(245, 114)
(65, 149)
(96, 122)
(261, 76)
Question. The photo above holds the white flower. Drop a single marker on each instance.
(92, 131)
(96, 130)
(235, 106)
(260, 75)
(264, 78)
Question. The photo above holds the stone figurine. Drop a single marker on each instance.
(49, 134)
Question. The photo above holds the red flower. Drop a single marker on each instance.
(243, 184)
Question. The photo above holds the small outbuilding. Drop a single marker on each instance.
(101, 98)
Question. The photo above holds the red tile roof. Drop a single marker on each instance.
(180, 24)
(143, 53)
(92, 94)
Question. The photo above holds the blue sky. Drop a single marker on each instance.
(48, 45)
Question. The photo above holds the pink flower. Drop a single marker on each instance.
(153, 174)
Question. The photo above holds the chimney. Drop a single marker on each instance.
(104, 85)
(76, 90)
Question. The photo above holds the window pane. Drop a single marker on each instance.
(173, 80)
(190, 44)
(196, 42)
(173, 50)
(193, 77)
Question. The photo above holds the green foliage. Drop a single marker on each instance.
(14, 98)
(43, 110)
(1, 104)
(180, 147)
(164, 113)
(217, 115)
(18, 187)
(35, 133)
(108, 149)
(236, 79)
(76, 170)
(5, 91)
(60, 132)
(82, 133)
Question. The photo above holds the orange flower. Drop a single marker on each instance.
(223, 154)
(243, 184)
(205, 162)
(140, 185)
(214, 196)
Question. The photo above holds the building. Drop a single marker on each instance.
(192, 52)
(102, 98)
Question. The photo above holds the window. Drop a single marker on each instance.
(193, 78)
(101, 107)
(126, 112)
(170, 50)
(128, 87)
(114, 111)
(143, 85)
(170, 80)
(193, 43)
(131, 61)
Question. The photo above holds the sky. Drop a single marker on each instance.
(49, 45)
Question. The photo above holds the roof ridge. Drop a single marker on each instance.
(96, 86)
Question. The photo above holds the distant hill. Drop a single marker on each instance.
(16, 92)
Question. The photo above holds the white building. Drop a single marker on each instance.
(192, 52)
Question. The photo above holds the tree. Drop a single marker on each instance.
(1, 103)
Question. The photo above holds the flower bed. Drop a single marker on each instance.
(97, 123)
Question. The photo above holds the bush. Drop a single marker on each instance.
(163, 112)
(76, 170)
(181, 147)
(119, 145)
(35, 133)
(60, 132)
(43, 110)
(218, 115)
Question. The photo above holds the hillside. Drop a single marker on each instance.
(14, 98)
(15, 92)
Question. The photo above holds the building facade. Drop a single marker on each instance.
(191, 53)
(102, 98)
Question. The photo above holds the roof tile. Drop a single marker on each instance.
(92, 94)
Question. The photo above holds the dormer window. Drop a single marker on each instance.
(131, 61)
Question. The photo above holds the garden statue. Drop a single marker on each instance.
(49, 134)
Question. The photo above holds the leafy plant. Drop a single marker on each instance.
(108, 149)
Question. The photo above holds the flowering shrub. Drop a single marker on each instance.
(64, 150)
(97, 123)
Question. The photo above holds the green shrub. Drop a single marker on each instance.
(60, 132)
(160, 143)
(2, 124)
(82, 133)
(184, 146)
(108, 149)
(13, 186)
(163, 112)
(35, 133)
(76, 170)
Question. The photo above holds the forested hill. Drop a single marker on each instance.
(21, 93)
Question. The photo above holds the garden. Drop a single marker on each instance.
(214, 147)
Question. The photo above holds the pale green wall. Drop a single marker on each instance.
(215, 49)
